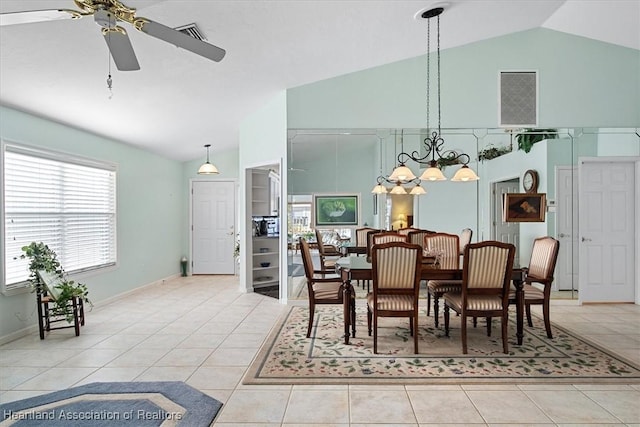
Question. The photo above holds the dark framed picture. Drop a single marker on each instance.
(333, 210)
(524, 207)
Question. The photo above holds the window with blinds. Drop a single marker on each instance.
(65, 202)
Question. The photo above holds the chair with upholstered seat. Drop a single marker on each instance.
(486, 276)
(396, 285)
(328, 253)
(322, 290)
(541, 268)
(446, 246)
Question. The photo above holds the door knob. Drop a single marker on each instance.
(584, 239)
(564, 235)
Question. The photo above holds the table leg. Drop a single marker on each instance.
(348, 289)
(519, 284)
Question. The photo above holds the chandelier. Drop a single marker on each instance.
(435, 153)
(400, 180)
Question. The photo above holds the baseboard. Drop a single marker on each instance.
(34, 328)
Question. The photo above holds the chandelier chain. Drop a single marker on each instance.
(438, 51)
(428, 73)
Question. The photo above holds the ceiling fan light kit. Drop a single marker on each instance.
(107, 14)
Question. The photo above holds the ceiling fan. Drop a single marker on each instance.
(108, 14)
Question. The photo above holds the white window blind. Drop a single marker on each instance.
(67, 203)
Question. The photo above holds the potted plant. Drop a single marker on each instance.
(528, 137)
(43, 258)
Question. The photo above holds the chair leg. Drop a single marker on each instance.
(446, 319)
(436, 309)
(528, 309)
(40, 318)
(428, 302)
(312, 309)
(76, 320)
(414, 322)
(505, 340)
(463, 333)
(488, 325)
(369, 315)
(353, 316)
(375, 333)
(547, 319)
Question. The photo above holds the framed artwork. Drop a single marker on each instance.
(524, 207)
(333, 210)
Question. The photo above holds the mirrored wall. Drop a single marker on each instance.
(350, 162)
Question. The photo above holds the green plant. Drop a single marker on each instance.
(529, 137)
(449, 160)
(43, 258)
(491, 152)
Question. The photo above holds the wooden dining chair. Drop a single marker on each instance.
(540, 270)
(396, 268)
(328, 253)
(486, 276)
(446, 246)
(321, 289)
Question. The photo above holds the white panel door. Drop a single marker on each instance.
(607, 231)
(213, 219)
(506, 232)
(566, 277)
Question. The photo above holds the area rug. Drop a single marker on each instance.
(161, 403)
(288, 357)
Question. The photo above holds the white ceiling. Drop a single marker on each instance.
(179, 101)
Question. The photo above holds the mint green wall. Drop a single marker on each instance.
(149, 212)
(263, 141)
(582, 83)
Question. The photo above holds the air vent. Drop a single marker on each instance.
(191, 30)
(518, 98)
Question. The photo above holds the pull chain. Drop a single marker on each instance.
(109, 80)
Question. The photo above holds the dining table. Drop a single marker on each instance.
(360, 268)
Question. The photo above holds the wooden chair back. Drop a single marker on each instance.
(465, 239)
(396, 268)
(487, 268)
(542, 264)
(444, 247)
(361, 235)
(388, 236)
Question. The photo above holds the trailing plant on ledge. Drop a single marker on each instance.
(491, 152)
(528, 137)
(43, 258)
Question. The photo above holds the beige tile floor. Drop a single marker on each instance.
(203, 331)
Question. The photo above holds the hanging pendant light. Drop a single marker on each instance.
(207, 168)
(434, 143)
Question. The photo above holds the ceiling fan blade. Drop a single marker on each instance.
(121, 49)
(15, 18)
(182, 40)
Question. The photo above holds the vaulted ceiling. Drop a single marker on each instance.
(178, 101)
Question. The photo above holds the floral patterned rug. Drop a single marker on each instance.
(288, 357)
